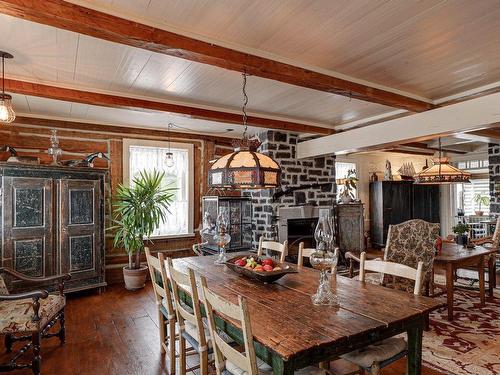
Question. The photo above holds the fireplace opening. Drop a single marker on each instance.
(300, 230)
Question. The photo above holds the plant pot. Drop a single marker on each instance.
(461, 239)
(135, 278)
(479, 213)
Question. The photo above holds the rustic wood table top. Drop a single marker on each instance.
(451, 252)
(293, 330)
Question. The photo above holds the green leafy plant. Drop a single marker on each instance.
(461, 229)
(138, 211)
(349, 184)
(481, 200)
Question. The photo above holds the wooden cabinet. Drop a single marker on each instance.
(393, 202)
(53, 222)
(350, 227)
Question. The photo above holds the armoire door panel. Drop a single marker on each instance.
(27, 226)
(80, 233)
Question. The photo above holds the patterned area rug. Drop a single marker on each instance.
(470, 345)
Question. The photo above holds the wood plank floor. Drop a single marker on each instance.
(116, 332)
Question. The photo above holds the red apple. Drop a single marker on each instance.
(267, 268)
(268, 262)
(241, 263)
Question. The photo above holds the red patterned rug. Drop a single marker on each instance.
(470, 345)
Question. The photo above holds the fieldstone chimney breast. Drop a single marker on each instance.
(281, 146)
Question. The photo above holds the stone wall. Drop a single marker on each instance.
(282, 148)
(494, 166)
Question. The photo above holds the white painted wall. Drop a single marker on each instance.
(375, 161)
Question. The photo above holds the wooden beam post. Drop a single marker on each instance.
(73, 17)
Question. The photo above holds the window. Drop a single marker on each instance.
(465, 195)
(139, 155)
(341, 171)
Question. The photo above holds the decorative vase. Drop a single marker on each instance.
(479, 213)
(461, 239)
(135, 279)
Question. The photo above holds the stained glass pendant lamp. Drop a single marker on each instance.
(7, 114)
(442, 172)
(245, 168)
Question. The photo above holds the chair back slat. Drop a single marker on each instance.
(393, 269)
(187, 283)
(282, 249)
(160, 281)
(214, 304)
(197, 248)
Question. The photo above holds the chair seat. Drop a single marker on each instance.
(372, 278)
(16, 316)
(379, 352)
(265, 369)
(191, 336)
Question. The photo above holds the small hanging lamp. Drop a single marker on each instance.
(169, 156)
(442, 172)
(245, 168)
(7, 114)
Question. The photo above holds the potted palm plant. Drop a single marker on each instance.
(481, 200)
(138, 211)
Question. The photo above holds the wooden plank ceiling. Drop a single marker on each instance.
(402, 54)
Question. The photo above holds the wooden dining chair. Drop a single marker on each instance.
(273, 246)
(165, 305)
(229, 361)
(374, 357)
(305, 252)
(197, 248)
(191, 327)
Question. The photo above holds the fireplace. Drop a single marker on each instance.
(297, 224)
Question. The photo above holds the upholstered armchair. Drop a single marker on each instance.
(28, 316)
(408, 243)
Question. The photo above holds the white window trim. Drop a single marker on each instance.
(162, 144)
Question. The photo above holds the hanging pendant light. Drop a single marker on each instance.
(169, 156)
(442, 172)
(7, 114)
(245, 168)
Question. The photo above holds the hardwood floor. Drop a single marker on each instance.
(116, 333)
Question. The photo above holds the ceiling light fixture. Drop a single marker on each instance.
(245, 168)
(442, 172)
(7, 114)
(169, 156)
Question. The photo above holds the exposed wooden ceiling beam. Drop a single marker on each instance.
(425, 146)
(484, 135)
(115, 101)
(124, 131)
(475, 114)
(65, 15)
(409, 152)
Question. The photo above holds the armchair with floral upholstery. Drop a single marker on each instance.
(29, 316)
(408, 243)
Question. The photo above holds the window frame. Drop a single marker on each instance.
(346, 161)
(127, 142)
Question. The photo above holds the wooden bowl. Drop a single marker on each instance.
(265, 276)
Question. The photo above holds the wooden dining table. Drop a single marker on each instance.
(291, 333)
(453, 257)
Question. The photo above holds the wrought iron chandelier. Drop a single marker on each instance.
(7, 114)
(245, 168)
(442, 172)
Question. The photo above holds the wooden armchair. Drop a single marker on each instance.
(29, 316)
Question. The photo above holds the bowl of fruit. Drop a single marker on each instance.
(262, 269)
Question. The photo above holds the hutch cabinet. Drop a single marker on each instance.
(350, 230)
(393, 202)
(238, 211)
(53, 222)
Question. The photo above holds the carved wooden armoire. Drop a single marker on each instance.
(53, 222)
(350, 227)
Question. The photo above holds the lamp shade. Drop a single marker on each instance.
(245, 168)
(442, 172)
(7, 114)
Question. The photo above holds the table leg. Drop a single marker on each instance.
(492, 275)
(450, 280)
(480, 271)
(281, 367)
(415, 349)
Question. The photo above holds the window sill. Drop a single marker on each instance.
(172, 236)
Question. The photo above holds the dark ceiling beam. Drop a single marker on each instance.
(72, 17)
(115, 101)
(424, 146)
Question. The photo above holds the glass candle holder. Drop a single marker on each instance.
(324, 261)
